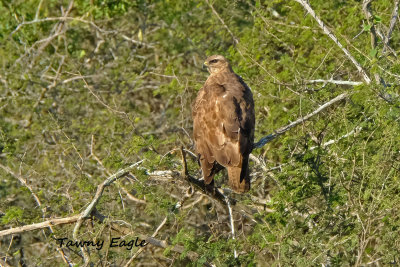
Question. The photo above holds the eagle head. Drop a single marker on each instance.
(216, 64)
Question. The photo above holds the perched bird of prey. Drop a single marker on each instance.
(223, 124)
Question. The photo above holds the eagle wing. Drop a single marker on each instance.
(201, 131)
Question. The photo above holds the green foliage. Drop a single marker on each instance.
(112, 84)
(13, 214)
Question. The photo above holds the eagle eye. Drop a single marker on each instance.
(214, 61)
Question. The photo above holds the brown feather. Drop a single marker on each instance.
(223, 124)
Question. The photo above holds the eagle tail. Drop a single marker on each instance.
(239, 179)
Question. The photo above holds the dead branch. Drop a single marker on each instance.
(23, 182)
(92, 24)
(59, 19)
(101, 218)
(142, 248)
(308, 8)
(266, 139)
(86, 213)
(208, 190)
(35, 226)
(335, 82)
(374, 38)
(151, 239)
(332, 141)
(58, 29)
(131, 197)
(200, 185)
(395, 14)
(37, 200)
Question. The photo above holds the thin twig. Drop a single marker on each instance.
(23, 182)
(305, 4)
(61, 19)
(38, 10)
(58, 19)
(131, 197)
(235, 39)
(368, 15)
(3, 263)
(136, 42)
(46, 89)
(231, 223)
(37, 200)
(332, 141)
(58, 29)
(89, 87)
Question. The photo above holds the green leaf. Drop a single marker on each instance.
(377, 19)
(82, 54)
(367, 28)
(373, 52)
(12, 214)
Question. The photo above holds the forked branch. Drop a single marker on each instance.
(100, 189)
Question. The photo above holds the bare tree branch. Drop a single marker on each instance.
(58, 19)
(115, 225)
(395, 14)
(61, 19)
(286, 128)
(37, 200)
(332, 141)
(86, 213)
(36, 226)
(333, 37)
(23, 182)
(374, 38)
(335, 82)
(231, 223)
(142, 248)
(58, 29)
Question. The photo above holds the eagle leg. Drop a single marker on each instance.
(239, 179)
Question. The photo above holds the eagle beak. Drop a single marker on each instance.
(205, 67)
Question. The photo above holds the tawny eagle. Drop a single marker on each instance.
(223, 124)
